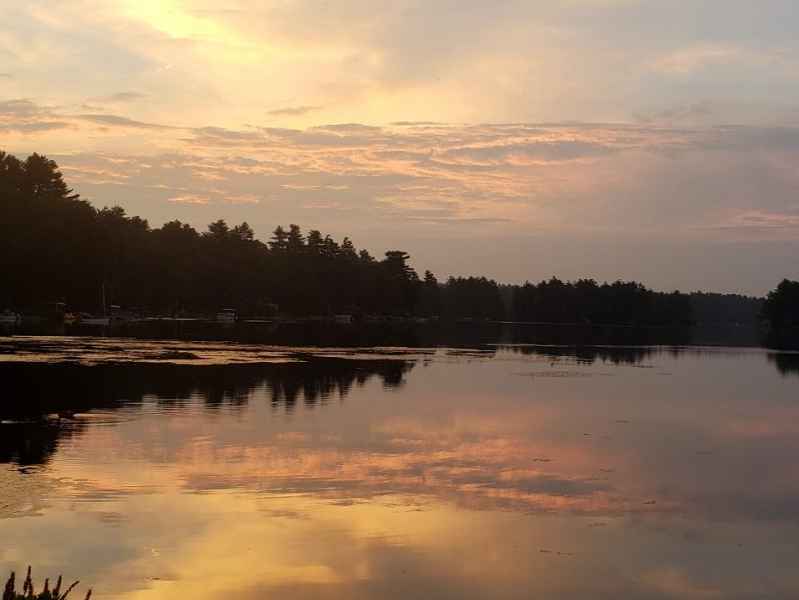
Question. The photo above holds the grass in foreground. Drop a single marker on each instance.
(10, 593)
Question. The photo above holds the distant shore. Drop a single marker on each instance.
(396, 331)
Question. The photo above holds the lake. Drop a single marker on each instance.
(209, 470)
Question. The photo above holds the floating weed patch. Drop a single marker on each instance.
(10, 592)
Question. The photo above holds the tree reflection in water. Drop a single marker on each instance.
(43, 399)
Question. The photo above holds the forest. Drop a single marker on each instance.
(56, 247)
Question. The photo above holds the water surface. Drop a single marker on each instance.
(154, 470)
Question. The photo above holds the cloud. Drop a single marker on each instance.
(402, 155)
(546, 151)
(242, 199)
(692, 113)
(687, 60)
(350, 128)
(35, 127)
(299, 187)
(494, 172)
(119, 121)
(222, 136)
(25, 117)
(663, 182)
(414, 62)
(416, 123)
(521, 110)
(454, 220)
(119, 98)
(294, 111)
(190, 199)
(22, 108)
(742, 59)
(762, 221)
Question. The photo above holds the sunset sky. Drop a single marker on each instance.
(640, 139)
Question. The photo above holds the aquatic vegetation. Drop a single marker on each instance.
(10, 593)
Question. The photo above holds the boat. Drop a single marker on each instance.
(87, 319)
(226, 315)
(8, 317)
(96, 320)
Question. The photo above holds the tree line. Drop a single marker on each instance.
(781, 311)
(56, 247)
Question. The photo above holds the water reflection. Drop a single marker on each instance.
(33, 442)
(46, 397)
(589, 354)
(509, 472)
(787, 363)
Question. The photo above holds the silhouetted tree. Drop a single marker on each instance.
(584, 301)
(725, 309)
(56, 247)
(429, 296)
(398, 283)
(472, 297)
(781, 308)
(781, 312)
(243, 232)
(279, 241)
(294, 240)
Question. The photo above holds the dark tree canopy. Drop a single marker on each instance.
(55, 247)
(586, 301)
(781, 308)
(781, 312)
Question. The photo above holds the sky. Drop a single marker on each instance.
(654, 140)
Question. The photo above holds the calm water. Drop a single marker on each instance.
(174, 470)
